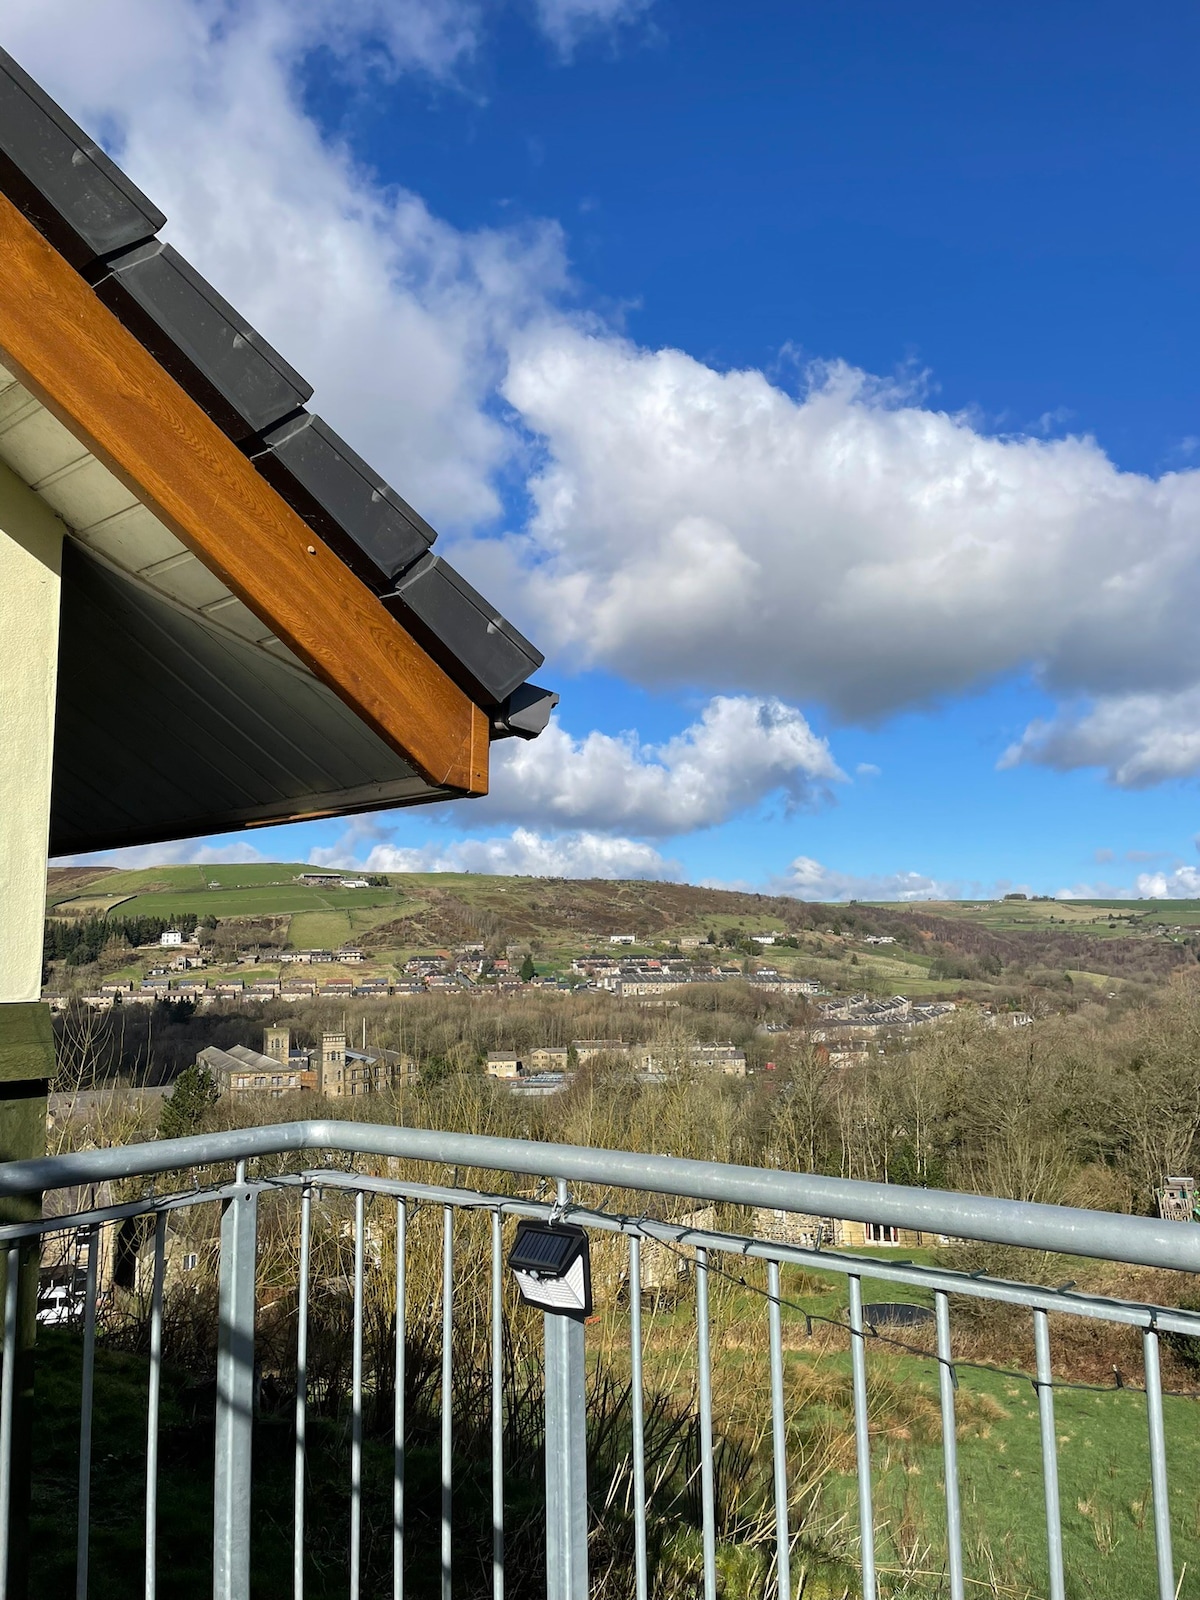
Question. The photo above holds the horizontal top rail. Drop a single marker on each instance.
(1139, 1241)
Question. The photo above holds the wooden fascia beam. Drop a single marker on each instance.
(90, 372)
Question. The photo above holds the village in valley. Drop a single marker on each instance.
(231, 945)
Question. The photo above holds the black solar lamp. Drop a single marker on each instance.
(553, 1268)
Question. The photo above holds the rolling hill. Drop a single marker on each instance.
(926, 946)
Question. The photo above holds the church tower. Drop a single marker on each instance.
(333, 1064)
(277, 1043)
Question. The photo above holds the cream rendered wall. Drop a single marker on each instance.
(30, 567)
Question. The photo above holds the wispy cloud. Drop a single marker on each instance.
(176, 853)
(567, 23)
(806, 879)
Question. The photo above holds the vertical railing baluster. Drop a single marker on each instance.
(1045, 1395)
(86, 1395)
(862, 1437)
(949, 1446)
(398, 1423)
(447, 1392)
(1158, 1466)
(638, 1400)
(704, 1375)
(783, 1541)
(356, 1393)
(152, 1403)
(497, 1409)
(299, 1467)
(12, 1280)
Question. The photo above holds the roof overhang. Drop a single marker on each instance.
(253, 626)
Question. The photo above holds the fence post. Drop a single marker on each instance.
(26, 1067)
(235, 1395)
(566, 1460)
(566, 1454)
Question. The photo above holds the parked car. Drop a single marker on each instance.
(61, 1301)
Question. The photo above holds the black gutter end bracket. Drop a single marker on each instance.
(525, 713)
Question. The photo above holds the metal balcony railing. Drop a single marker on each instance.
(300, 1165)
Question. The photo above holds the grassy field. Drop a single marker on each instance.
(1104, 1482)
(319, 930)
(1103, 1454)
(1107, 1514)
(1102, 1438)
(257, 889)
(1091, 916)
(229, 875)
(252, 901)
(330, 930)
(90, 905)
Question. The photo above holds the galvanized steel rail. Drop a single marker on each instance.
(1131, 1240)
(1140, 1241)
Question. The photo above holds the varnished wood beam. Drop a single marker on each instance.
(73, 354)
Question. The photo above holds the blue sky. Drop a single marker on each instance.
(815, 383)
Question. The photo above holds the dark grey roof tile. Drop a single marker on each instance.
(61, 179)
(462, 632)
(210, 350)
(376, 533)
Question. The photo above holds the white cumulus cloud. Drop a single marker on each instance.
(177, 853)
(1139, 739)
(1181, 884)
(742, 749)
(523, 852)
(850, 544)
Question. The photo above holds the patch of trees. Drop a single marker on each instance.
(958, 943)
(195, 1094)
(81, 942)
(146, 1044)
(1091, 1107)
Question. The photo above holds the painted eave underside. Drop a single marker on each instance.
(179, 713)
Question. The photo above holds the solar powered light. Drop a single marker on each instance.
(553, 1269)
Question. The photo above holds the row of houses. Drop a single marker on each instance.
(654, 976)
(514, 1066)
(315, 958)
(292, 989)
(863, 1015)
(202, 995)
(466, 971)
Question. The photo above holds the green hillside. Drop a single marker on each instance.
(255, 889)
(1006, 949)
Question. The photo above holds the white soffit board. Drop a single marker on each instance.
(112, 523)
